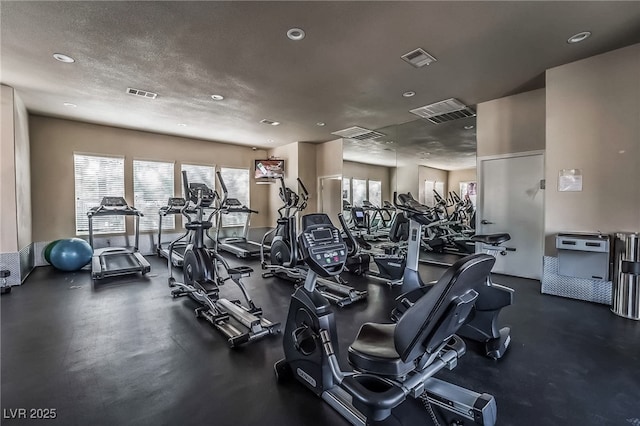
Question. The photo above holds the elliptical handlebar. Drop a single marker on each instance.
(225, 192)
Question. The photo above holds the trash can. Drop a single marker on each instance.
(625, 300)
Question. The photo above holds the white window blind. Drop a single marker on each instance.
(237, 181)
(97, 177)
(152, 187)
(199, 174)
(375, 192)
(359, 191)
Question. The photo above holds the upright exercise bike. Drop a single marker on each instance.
(482, 324)
(392, 380)
(284, 258)
(202, 278)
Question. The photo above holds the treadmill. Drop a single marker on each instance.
(174, 206)
(113, 261)
(240, 246)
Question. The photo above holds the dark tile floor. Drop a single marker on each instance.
(126, 353)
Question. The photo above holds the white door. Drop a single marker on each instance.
(512, 201)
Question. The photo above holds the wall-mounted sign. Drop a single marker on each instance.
(570, 180)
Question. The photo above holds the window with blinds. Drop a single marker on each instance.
(346, 189)
(237, 181)
(429, 197)
(152, 187)
(359, 191)
(375, 192)
(97, 177)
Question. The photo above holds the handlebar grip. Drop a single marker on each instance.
(185, 183)
(222, 184)
(304, 188)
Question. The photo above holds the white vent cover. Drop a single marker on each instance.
(358, 133)
(447, 110)
(418, 58)
(141, 93)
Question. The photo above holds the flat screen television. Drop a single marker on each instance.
(269, 169)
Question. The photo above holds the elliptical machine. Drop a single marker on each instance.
(240, 324)
(390, 265)
(392, 380)
(284, 258)
(482, 323)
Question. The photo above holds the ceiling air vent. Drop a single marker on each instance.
(269, 122)
(358, 133)
(141, 93)
(418, 58)
(447, 110)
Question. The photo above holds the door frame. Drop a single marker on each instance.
(481, 192)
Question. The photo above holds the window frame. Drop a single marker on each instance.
(225, 218)
(114, 221)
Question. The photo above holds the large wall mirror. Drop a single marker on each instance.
(426, 159)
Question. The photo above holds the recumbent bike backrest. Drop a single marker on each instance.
(416, 332)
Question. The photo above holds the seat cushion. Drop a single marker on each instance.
(491, 239)
(373, 351)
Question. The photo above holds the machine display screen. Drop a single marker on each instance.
(359, 214)
(322, 235)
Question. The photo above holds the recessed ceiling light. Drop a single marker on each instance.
(389, 142)
(182, 125)
(577, 38)
(409, 94)
(217, 97)
(63, 58)
(296, 34)
(69, 104)
(469, 127)
(320, 123)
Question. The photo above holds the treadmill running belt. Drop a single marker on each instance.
(120, 261)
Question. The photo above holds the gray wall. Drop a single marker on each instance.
(593, 124)
(512, 124)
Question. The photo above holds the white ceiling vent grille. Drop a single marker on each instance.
(358, 133)
(447, 110)
(418, 58)
(141, 93)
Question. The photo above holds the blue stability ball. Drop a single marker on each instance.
(71, 254)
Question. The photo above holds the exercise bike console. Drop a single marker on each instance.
(323, 249)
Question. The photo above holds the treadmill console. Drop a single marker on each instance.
(176, 202)
(323, 249)
(174, 206)
(233, 202)
(113, 202)
(358, 214)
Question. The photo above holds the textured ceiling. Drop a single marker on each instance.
(346, 72)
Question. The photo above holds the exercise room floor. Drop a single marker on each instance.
(126, 353)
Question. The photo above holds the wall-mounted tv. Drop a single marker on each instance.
(265, 169)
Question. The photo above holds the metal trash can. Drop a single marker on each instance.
(625, 300)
